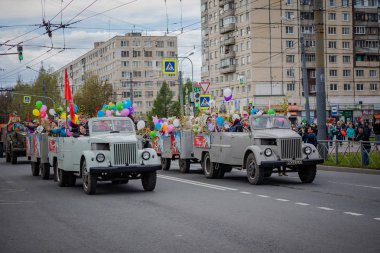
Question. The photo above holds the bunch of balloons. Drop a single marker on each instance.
(164, 127)
(40, 110)
(121, 108)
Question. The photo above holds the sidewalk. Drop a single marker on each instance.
(349, 170)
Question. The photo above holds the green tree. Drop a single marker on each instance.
(92, 95)
(163, 105)
(176, 105)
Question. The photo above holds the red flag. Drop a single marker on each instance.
(67, 94)
(72, 114)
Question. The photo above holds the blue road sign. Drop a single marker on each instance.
(169, 66)
(204, 101)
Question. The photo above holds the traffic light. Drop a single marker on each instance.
(19, 50)
(197, 99)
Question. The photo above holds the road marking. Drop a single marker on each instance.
(245, 193)
(212, 186)
(376, 218)
(357, 185)
(354, 214)
(262, 196)
(17, 203)
(283, 200)
(302, 204)
(325, 208)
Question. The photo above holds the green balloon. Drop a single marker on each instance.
(119, 106)
(38, 104)
(112, 107)
(271, 112)
(153, 134)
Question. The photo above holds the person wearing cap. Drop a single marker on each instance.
(363, 135)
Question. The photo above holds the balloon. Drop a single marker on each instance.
(63, 115)
(124, 112)
(271, 111)
(68, 133)
(108, 113)
(76, 118)
(164, 127)
(227, 93)
(219, 121)
(36, 112)
(161, 121)
(52, 112)
(134, 106)
(75, 108)
(110, 103)
(153, 134)
(254, 111)
(43, 108)
(127, 103)
(119, 106)
(176, 123)
(112, 107)
(211, 127)
(60, 109)
(140, 125)
(100, 114)
(131, 111)
(117, 113)
(38, 104)
(170, 128)
(104, 106)
(42, 114)
(155, 120)
(158, 126)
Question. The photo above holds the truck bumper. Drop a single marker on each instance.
(125, 169)
(275, 164)
(312, 161)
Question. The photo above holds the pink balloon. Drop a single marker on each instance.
(124, 112)
(134, 106)
(108, 113)
(42, 114)
(155, 120)
(43, 108)
(170, 128)
(68, 133)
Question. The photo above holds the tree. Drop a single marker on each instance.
(92, 95)
(163, 105)
(176, 105)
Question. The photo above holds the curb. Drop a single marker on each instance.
(349, 170)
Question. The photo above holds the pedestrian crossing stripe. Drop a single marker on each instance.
(169, 66)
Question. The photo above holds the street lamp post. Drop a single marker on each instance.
(43, 85)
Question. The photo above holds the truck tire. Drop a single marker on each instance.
(61, 178)
(14, 158)
(89, 181)
(35, 169)
(165, 163)
(209, 167)
(307, 173)
(7, 157)
(1, 150)
(148, 181)
(255, 174)
(184, 165)
(45, 171)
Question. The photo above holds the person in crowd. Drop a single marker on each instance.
(332, 132)
(309, 136)
(376, 131)
(363, 136)
(350, 133)
(236, 125)
(339, 132)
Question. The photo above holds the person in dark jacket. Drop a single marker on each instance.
(376, 131)
(309, 136)
(363, 136)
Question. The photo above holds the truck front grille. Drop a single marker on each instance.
(291, 148)
(125, 153)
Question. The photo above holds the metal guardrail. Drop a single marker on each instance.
(362, 154)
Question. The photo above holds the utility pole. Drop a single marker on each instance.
(305, 81)
(44, 91)
(320, 76)
(180, 92)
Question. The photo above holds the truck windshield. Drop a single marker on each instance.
(107, 126)
(267, 122)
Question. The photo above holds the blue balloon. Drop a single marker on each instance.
(219, 121)
(104, 106)
(100, 114)
(158, 126)
(75, 108)
(127, 103)
(254, 111)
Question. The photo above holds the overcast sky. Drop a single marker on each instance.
(20, 20)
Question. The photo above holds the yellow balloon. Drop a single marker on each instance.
(36, 112)
(76, 118)
(63, 115)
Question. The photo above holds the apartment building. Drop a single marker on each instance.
(258, 43)
(123, 61)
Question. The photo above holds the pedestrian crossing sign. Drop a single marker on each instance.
(26, 99)
(204, 101)
(169, 66)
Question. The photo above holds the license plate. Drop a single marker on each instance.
(295, 162)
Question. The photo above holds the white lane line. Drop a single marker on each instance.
(245, 193)
(357, 185)
(376, 218)
(212, 186)
(17, 203)
(302, 204)
(325, 208)
(354, 214)
(262, 196)
(283, 200)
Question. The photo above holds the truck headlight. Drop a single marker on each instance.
(100, 157)
(145, 155)
(307, 150)
(268, 152)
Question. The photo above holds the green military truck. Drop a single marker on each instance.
(14, 143)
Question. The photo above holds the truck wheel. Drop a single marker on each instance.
(307, 173)
(45, 171)
(89, 181)
(7, 157)
(148, 180)
(184, 165)
(62, 178)
(209, 167)
(165, 163)
(14, 158)
(1, 150)
(255, 174)
(221, 172)
(35, 169)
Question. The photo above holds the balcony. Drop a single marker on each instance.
(228, 69)
(224, 2)
(227, 28)
(230, 54)
(229, 12)
(228, 41)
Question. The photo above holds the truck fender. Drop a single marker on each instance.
(154, 158)
(251, 149)
(314, 153)
(90, 157)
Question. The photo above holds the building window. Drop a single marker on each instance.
(288, 2)
(332, 44)
(125, 63)
(290, 58)
(373, 86)
(332, 58)
(148, 54)
(331, 30)
(289, 44)
(332, 3)
(289, 15)
(359, 87)
(310, 57)
(125, 74)
(290, 72)
(137, 94)
(160, 44)
(310, 43)
(333, 86)
(171, 44)
(347, 86)
(333, 73)
(359, 29)
(372, 73)
(346, 72)
(124, 43)
(160, 53)
(308, 29)
(346, 45)
(346, 59)
(289, 29)
(345, 3)
(290, 87)
(332, 16)
(124, 53)
(136, 53)
(360, 72)
(345, 31)
(345, 16)
(312, 74)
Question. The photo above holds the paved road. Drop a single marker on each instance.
(339, 212)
